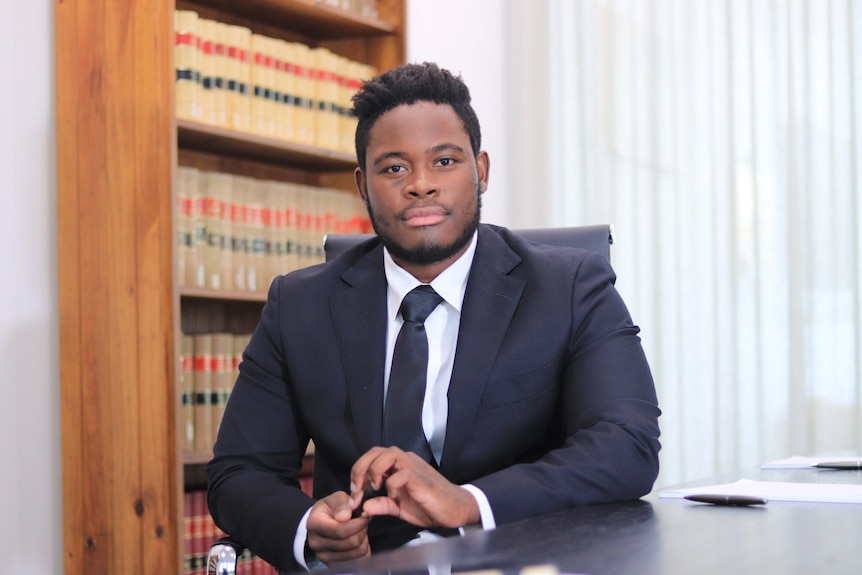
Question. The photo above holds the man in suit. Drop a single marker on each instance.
(538, 396)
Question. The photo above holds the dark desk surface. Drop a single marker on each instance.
(661, 536)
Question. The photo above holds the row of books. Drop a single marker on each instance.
(230, 77)
(238, 233)
(366, 8)
(209, 367)
(199, 533)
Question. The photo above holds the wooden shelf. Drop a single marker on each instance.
(197, 458)
(312, 17)
(204, 138)
(222, 295)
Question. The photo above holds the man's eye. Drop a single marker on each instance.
(395, 169)
(446, 162)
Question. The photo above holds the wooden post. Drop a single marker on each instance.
(116, 146)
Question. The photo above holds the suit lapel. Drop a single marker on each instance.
(359, 319)
(489, 304)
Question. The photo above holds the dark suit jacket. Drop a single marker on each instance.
(551, 401)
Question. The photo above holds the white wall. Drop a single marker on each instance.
(468, 38)
(30, 482)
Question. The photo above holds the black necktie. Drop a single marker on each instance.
(402, 417)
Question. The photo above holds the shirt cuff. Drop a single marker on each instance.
(299, 546)
(485, 513)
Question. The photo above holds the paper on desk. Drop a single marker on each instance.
(777, 491)
(797, 462)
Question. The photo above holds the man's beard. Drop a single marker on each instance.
(429, 253)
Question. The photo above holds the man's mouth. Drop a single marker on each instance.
(424, 216)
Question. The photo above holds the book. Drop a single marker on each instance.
(198, 543)
(182, 209)
(186, 43)
(261, 80)
(325, 97)
(196, 220)
(219, 78)
(238, 241)
(206, 65)
(216, 189)
(189, 560)
(224, 257)
(203, 392)
(280, 76)
(238, 75)
(255, 238)
(303, 116)
(288, 90)
(187, 390)
(223, 376)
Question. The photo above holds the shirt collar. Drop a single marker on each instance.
(451, 284)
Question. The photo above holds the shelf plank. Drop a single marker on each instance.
(197, 458)
(313, 17)
(196, 136)
(222, 295)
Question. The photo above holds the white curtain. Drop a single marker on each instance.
(723, 139)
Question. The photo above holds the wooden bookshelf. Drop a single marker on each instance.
(223, 142)
(121, 308)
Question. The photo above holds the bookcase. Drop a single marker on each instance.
(122, 307)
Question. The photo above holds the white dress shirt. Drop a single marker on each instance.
(441, 327)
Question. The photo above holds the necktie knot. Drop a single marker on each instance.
(419, 303)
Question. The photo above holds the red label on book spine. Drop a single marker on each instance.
(185, 39)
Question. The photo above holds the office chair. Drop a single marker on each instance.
(597, 238)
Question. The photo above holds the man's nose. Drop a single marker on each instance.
(421, 183)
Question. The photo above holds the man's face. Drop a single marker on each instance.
(422, 185)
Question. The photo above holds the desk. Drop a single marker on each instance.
(661, 536)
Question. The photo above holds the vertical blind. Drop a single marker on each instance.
(723, 139)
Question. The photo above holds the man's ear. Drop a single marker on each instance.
(361, 185)
(483, 168)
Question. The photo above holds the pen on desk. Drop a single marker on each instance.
(732, 500)
(839, 465)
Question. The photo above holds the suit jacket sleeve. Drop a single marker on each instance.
(253, 490)
(608, 413)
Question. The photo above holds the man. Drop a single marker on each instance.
(538, 394)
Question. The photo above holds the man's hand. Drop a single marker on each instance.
(332, 534)
(416, 492)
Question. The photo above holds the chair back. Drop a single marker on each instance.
(596, 238)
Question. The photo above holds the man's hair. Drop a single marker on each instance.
(409, 84)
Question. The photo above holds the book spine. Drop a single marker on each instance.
(288, 91)
(238, 234)
(206, 64)
(256, 196)
(225, 238)
(187, 387)
(195, 255)
(239, 78)
(203, 392)
(219, 76)
(182, 212)
(291, 239)
(222, 376)
(198, 541)
(188, 533)
(212, 183)
(270, 227)
(304, 112)
(279, 86)
(186, 47)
